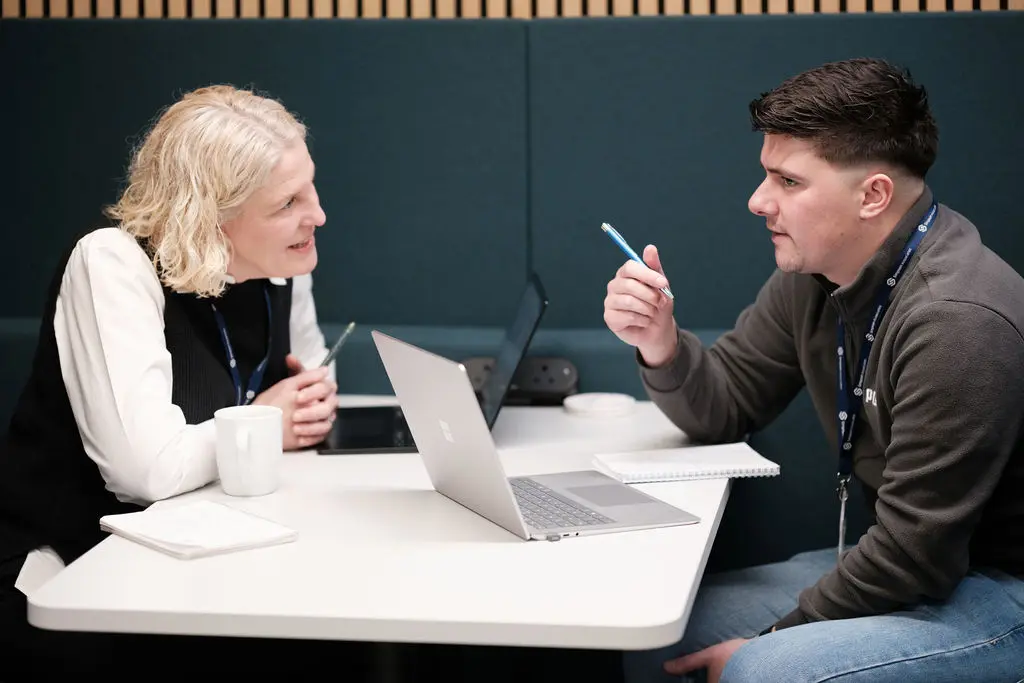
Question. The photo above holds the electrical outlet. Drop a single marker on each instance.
(546, 375)
(538, 379)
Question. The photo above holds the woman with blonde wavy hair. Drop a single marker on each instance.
(197, 298)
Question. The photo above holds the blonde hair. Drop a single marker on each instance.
(205, 156)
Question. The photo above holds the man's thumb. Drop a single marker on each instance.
(652, 258)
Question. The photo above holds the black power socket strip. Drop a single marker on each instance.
(539, 380)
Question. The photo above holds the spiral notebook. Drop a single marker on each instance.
(197, 529)
(720, 461)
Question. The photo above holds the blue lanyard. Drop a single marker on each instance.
(849, 403)
(257, 375)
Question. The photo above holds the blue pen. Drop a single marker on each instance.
(617, 238)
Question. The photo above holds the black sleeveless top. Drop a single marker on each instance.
(51, 492)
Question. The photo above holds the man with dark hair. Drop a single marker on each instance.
(907, 332)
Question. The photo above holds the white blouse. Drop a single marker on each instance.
(109, 325)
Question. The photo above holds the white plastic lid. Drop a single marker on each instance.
(599, 404)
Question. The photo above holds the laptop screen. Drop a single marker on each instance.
(513, 347)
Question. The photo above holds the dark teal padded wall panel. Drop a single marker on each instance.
(418, 132)
(644, 124)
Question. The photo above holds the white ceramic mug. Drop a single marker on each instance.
(249, 449)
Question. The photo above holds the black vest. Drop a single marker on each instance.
(51, 492)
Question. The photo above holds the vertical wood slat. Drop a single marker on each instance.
(371, 9)
(521, 9)
(347, 8)
(202, 9)
(10, 9)
(622, 8)
(177, 9)
(830, 6)
(751, 6)
(963, 5)
(249, 9)
(1016, 4)
(725, 7)
(446, 9)
(394, 9)
(497, 9)
(989, 5)
(597, 8)
(803, 7)
(80, 9)
(935, 5)
(298, 9)
(908, 6)
(152, 9)
(856, 6)
(273, 9)
(58, 9)
(420, 9)
(34, 8)
(778, 6)
(883, 6)
(472, 9)
(323, 9)
(547, 8)
(647, 8)
(225, 8)
(675, 7)
(572, 8)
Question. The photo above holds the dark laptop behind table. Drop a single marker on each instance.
(383, 429)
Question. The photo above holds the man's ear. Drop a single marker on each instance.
(876, 195)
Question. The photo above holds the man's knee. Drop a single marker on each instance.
(757, 661)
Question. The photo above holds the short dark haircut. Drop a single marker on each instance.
(854, 111)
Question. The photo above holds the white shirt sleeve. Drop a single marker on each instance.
(307, 339)
(109, 326)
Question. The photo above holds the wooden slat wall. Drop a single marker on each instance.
(469, 9)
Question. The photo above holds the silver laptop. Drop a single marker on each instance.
(462, 461)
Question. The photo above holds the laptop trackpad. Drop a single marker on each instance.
(609, 495)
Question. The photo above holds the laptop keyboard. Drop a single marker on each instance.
(542, 508)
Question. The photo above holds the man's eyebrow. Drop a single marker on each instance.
(782, 172)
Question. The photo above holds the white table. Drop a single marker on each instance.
(382, 557)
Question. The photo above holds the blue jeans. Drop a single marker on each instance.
(975, 636)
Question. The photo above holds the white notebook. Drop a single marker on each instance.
(690, 462)
(197, 529)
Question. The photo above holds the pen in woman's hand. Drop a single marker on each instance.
(338, 344)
